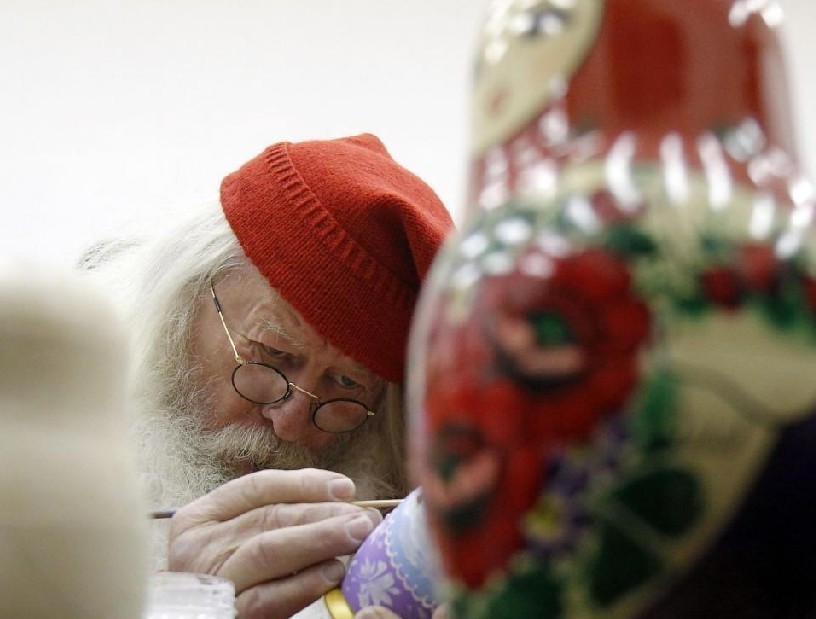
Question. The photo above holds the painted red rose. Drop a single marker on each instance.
(754, 270)
(569, 335)
(481, 472)
(809, 289)
(758, 267)
(722, 286)
(545, 352)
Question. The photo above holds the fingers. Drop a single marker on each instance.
(275, 535)
(201, 545)
(262, 519)
(285, 515)
(268, 487)
(205, 546)
(281, 552)
(283, 598)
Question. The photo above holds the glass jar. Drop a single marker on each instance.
(183, 595)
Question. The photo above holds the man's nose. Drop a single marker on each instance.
(292, 417)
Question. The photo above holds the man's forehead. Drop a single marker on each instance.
(289, 326)
(272, 313)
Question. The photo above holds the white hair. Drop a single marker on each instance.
(158, 283)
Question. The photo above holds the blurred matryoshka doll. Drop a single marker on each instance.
(73, 532)
(613, 369)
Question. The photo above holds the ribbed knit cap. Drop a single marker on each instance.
(345, 234)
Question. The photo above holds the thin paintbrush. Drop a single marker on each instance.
(376, 504)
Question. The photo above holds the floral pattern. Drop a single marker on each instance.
(572, 338)
(377, 584)
(549, 334)
(395, 567)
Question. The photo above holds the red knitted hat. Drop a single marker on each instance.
(345, 234)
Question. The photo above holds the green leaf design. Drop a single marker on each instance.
(620, 566)
(653, 424)
(693, 306)
(529, 594)
(717, 248)
(668, 499)
(629, 241)
(784, 310)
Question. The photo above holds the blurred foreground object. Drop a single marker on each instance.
(73, 537)
(184, 595)
(613, 368)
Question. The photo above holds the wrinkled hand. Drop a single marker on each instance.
(275, 534)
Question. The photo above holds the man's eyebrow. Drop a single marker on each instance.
(274, 326)
(361, 371)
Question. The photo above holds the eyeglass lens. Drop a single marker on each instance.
(260, 383)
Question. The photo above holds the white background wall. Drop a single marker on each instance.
(110, 108)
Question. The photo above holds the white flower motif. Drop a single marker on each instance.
(376, 586)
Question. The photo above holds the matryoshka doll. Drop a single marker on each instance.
(396, 567)
(613, 368)
(73, 532)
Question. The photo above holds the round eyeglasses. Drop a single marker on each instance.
(263, 384)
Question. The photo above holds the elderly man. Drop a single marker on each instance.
(269, 339)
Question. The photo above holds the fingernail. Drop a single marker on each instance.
(333, 572)
(342, 489)
(359, 528)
